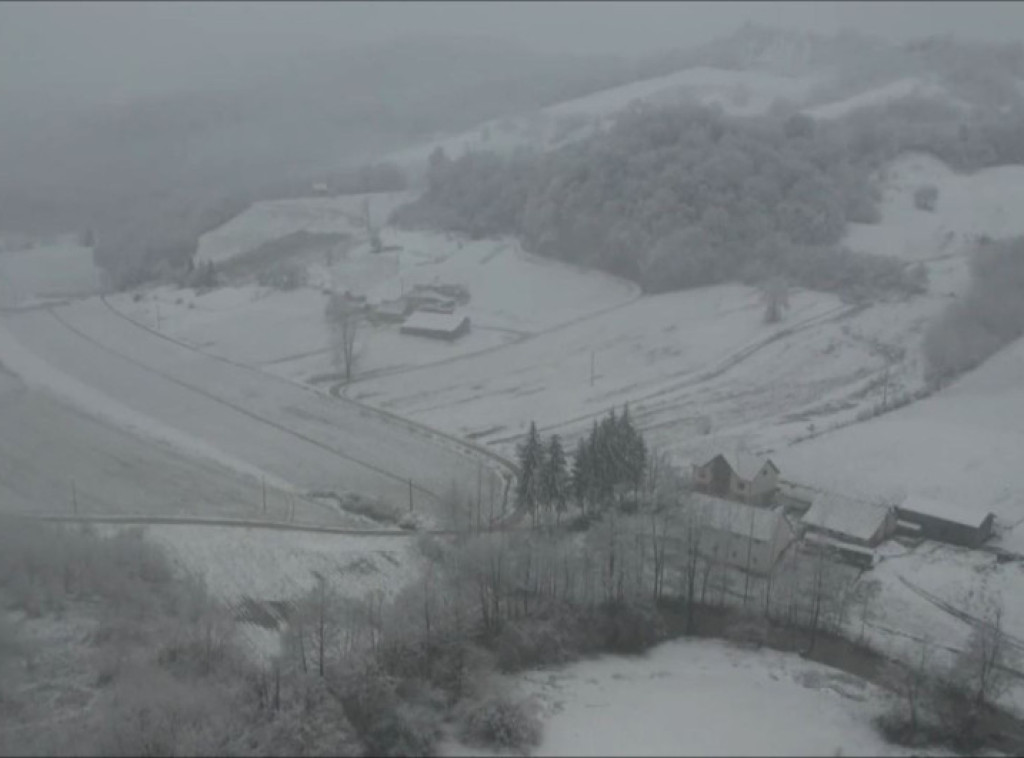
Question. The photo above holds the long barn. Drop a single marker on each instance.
(444, 326)
(946, 522)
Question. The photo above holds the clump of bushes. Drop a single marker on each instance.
(284, 276)
(500, 722)
(925, 197)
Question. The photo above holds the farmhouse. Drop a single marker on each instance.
(741, 536)
(738, 476)
(437, 325)
(850, 520)
(946, 522)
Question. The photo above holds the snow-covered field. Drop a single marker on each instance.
(705, 698)
(271, 565)
(513, 295)
(969, 205)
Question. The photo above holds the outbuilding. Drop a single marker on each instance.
(946, 522)
(445, 326)
(850, 520)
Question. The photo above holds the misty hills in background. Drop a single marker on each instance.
(156, 171)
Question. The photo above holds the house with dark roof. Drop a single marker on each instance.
(946, 522)
(848, 519)
(738, 476)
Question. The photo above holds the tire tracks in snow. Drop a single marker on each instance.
(237, 408)
(694, 381)
(508, 470)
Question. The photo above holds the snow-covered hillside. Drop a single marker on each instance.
(738, 92)
(969, 206)
(272, 219)
(896, 90)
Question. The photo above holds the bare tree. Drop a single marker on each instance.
(980, 672)
(343, 321)
(775, 296)
(911, 684)
(372, 232)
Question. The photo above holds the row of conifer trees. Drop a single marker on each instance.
(608, 466)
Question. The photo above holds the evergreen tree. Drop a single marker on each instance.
(634, 451)
(531, 462)
(555, 478)
(581, 476)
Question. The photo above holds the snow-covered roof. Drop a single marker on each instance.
(434, 322)
(728, 516)
(926, 506)
(798, 491)
(821, 539)
(849, 516)
(745, 464)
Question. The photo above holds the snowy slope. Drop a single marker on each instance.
(969, 205)
(901, 88)
(738, 92)
(272, 219)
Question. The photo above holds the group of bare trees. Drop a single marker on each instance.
(946, 696)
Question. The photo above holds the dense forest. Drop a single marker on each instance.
(684, 196)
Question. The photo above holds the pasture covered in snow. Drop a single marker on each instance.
(704, 698)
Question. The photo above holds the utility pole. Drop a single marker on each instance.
(479, 492)
(491, 522)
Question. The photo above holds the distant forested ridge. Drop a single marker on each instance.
(684, 196)
(672, 197)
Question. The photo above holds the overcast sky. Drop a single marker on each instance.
(112, 50)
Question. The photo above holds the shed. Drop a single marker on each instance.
(849, 519)
(437, 325)
(946, 522)
(855, 555)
